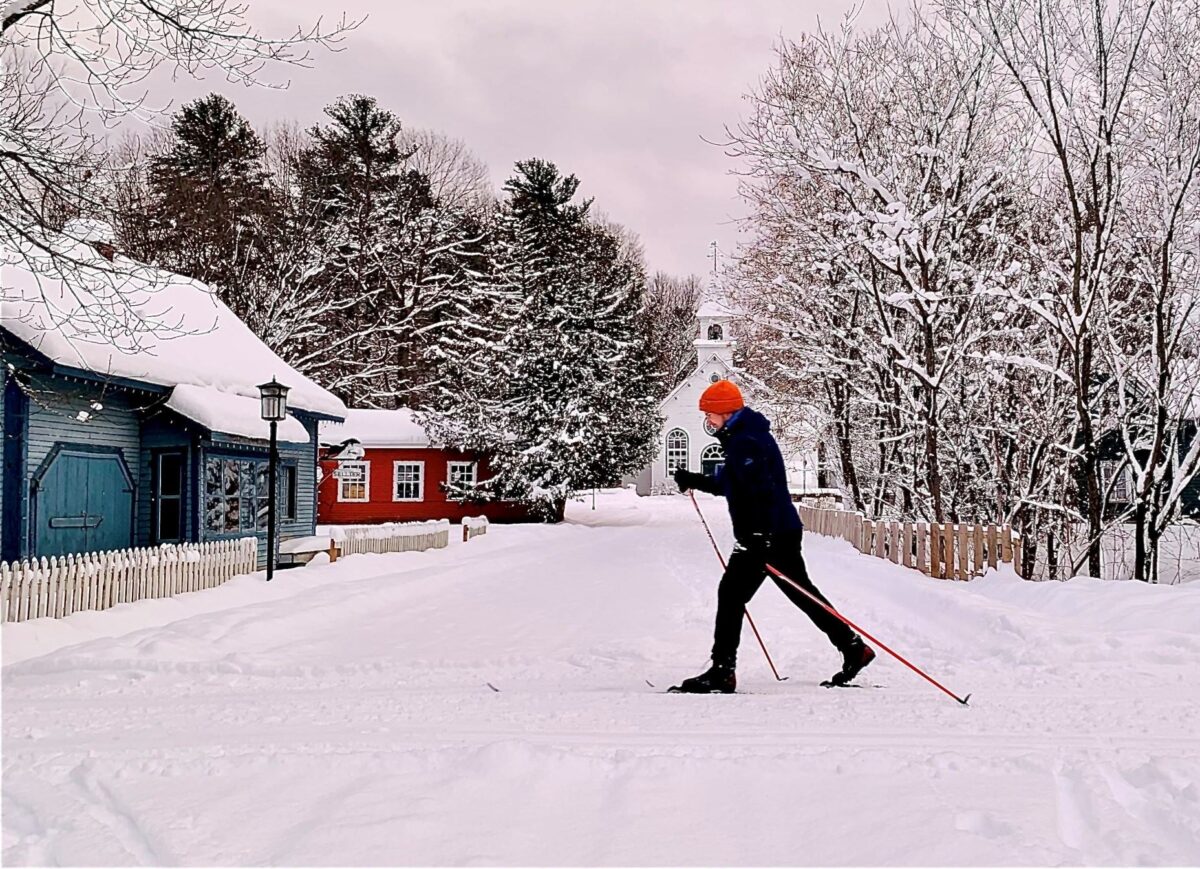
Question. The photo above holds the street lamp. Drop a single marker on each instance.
(273, 396)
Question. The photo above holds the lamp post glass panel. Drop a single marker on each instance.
(274, 410)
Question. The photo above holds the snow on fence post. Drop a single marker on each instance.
(978, 532)
(473, 526)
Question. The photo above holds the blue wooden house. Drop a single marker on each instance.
(130, 412)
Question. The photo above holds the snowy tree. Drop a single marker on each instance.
(392, 255)
(670, 324)
(892, 194)
(1108, 88)
(67, 70)
(210, 204)
(458, 179)
(558, 392)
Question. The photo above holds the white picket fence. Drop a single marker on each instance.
(394, 537)
(56, 587)
(473, 526)
(943, 550)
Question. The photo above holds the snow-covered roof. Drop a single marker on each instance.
(127, 320)
(231, 414)
(377, 428)
(714, 308)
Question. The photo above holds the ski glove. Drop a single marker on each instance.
(756, 544)
(686, 479)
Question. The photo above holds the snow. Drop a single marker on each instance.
(311, 543)
(129, 320)
(231, 414)
(715, 307)
(341, 714)
(377, 428)
(382, 530)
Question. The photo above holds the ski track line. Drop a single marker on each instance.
(103, 806)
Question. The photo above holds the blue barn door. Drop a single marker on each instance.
(83, 503)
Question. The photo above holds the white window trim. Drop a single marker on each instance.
(687, 448)
(420, 482)
(366, 484)
(474, 466)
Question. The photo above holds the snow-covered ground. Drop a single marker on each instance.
(342, 715)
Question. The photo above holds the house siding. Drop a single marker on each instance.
(434, 504)
(13, 491)
(53, 420)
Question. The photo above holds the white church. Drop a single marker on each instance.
(683, 442)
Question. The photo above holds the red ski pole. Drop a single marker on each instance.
(896, 655)
(746, 610)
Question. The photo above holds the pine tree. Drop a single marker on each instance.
(209, 199)
(559, 392)
(392, 253)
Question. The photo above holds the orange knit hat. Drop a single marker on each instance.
(722, 397)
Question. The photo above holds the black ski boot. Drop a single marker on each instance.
(855, 657)
(717, 679)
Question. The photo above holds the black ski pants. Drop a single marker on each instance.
(743, 577)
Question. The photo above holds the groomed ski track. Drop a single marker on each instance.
(342, 716)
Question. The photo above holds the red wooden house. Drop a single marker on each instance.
(400, 477)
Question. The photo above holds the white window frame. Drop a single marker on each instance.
(710, 452)
(1117, 476)
(366, 466)
(672, 454)
(474, 466)
(420, 481)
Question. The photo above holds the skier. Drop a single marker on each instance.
(767, 529)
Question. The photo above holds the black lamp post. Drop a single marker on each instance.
(274, 410)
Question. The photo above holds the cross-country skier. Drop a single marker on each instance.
(767, 529)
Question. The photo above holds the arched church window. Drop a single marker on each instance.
(715, 332)
(677, 449)
(712, 456)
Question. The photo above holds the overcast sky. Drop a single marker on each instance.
(619, 92)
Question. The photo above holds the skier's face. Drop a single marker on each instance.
(713, 422)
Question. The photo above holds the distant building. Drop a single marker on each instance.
(683, 441)
(400, 475)
(130, 412)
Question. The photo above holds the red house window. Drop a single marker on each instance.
(408, 481)
(354, 481)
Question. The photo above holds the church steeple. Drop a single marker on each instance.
(715, 334)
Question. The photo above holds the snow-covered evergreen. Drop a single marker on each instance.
(554, 383)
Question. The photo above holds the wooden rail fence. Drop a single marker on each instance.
(59, 586)
(946, 551)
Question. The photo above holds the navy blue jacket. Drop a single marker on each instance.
(753, 479)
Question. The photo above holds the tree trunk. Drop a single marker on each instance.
(1141, 567)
